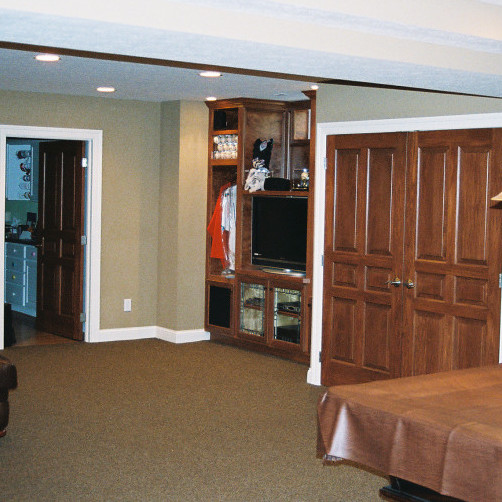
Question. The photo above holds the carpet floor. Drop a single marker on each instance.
(152, 421)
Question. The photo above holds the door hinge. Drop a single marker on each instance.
(82, 317)
(500, 281)
(320, 356)
(83, 240)
(322, 260)
(325, 163)
(84, 162)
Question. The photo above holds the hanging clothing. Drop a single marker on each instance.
(228, 216)
(214, 228)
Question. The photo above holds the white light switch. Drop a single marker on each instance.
(127, 305)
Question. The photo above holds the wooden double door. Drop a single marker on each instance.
(412, 254)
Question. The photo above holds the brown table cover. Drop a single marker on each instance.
(441, 431)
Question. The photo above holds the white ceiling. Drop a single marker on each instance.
(151, 82)
(445, 45)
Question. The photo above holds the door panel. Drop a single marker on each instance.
(471, 238)
(431, 220)
(452, 252)
(363, 252)
(60, 261)
(428, 347)
(469, 337)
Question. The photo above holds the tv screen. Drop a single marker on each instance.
(279, 232)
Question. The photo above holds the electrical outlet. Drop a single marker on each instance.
(127, 305)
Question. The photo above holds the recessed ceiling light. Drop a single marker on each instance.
(47, 58)
(210, 98)
(314, 87)
(105, 88)
(210, 74)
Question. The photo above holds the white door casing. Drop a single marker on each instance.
(92, 266)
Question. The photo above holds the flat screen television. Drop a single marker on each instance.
(279, 233)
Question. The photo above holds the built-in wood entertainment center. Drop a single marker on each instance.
(267, 310)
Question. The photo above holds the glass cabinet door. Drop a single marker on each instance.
(252, 309)
(287, 315)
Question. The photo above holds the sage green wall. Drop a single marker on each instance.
(130, 205)
(338, 103)
(182, 234)
(168, 208)
(19, 208)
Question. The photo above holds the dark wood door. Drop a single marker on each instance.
(453, 251)
(429, 224)
(60, 260)
(363, 253)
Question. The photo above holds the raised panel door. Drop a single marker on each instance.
(451, 316)
(363, 254)
(60, 261)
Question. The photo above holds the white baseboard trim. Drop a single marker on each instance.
(117, 334)
(185, 336)
(142, 332)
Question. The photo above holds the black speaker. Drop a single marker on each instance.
(220, 306)
(277, 184)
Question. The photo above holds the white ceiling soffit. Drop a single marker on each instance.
(79, 76)
(447, 45)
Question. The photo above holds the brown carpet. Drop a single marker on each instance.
(148, 420)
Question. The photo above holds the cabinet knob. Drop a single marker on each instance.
(13, 276)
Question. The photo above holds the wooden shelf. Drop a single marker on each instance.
(223, 162)
(220, 132)
(253, 307)
(273, 193)
(220, 279)
(258, 273)
(286, 313)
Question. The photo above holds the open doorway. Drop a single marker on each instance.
(89, 234)
(44, 241)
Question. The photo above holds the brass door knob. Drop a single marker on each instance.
(409, 284)
(396, 282)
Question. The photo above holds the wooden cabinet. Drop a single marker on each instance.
(234, 127)
(21, 277)
(272, 312)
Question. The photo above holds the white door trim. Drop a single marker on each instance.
(94, 138)
(476, 121)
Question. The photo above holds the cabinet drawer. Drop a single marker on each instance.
(13, 249)
(31, 282)
(14, 294)
(14, 276)
(14, 264)
(31, 253)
